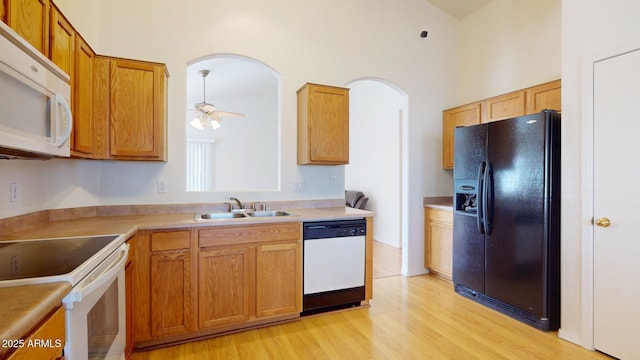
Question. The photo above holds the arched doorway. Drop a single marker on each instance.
(377, 123)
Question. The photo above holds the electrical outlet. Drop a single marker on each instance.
(14, 192)
(162, 186)
(300, 186)
(333, 179)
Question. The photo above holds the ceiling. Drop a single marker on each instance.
(229, 77)
(459, 9)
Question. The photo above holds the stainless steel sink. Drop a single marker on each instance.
(220, 215)
(268, 213)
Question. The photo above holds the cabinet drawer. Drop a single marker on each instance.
(228, 235)
(170, 240)
(440, 215)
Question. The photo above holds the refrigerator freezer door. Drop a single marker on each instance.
(470, 145)
(468, 253)
(468, 238)
(516, 246)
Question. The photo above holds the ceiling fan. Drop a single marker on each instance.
(206, 112)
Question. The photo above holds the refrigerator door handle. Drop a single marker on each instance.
(487, 198)
(479, 198)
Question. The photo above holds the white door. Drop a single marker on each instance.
(616, 179)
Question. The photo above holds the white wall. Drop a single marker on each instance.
(374, 158)
(589, 28)
(331, 42)
(508, 45)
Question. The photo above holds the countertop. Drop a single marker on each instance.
(130, 224)
(438, 202)
(21, 308)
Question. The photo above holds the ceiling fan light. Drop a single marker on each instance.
(197, 122)
(215, 124)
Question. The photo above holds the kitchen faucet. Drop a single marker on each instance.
(237, 202)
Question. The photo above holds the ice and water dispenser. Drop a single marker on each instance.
(465, 197)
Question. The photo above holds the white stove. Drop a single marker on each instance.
(95, 306)
(27, 262)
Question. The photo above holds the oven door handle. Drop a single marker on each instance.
(104, 273)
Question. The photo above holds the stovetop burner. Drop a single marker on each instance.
(27, 262)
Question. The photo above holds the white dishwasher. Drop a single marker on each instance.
(334, 263)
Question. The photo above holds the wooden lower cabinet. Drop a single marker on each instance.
(163, 280)
(248, 274)
(224, 286)
(128, 293)
(170, 293)
(278, 279)
(198, 282)
(438, 228)
(129, 296)
(51, 331)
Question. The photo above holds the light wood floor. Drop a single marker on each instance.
(387, 260)
(410, 318)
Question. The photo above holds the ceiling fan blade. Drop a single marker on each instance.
(228, 113)
(214, 116)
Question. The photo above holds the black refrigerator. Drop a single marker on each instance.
(506, 226)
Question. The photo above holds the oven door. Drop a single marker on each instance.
(95, 312)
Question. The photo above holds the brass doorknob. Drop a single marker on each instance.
(603, 222)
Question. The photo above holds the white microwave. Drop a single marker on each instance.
(35, 117)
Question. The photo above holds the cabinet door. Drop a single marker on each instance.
(83, 139)
(30, 19)
(278, 279)
(170, 293)
(504, 106)
(137, 110)
(51, 330)
(460, 116)
(439, 241)
(323, 125)
(128, 294)
(62, 45)
(544, 97)
(225, 286)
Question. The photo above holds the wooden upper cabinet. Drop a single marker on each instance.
(62, 44)
(83, 137)
(30, 19)
(3, 12)
(137, 110)
(504, 106)
(527, 101)
(323, 125)
(129, 109)
(545, 96)
(452, 118)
